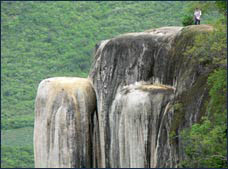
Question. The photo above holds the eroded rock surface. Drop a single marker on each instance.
(146, 90)
(63, 123)
(125, 60)
(135, 119)
(153, 56)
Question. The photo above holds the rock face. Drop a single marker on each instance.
(125, 60)
(134, 119)
(144, 90)
(63, 123)
(154, 56)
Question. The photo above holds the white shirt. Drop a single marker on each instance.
(197, 14)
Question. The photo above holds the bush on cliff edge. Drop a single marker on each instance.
(187, 20)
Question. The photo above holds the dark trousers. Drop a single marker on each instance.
(197, 21)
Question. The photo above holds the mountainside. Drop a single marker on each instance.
(49, 39)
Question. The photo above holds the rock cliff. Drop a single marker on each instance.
(153, 56)
(142, 90)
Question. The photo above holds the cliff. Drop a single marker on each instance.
(143, 89)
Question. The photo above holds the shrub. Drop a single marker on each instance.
(187, 20)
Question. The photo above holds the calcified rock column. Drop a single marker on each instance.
(63, 123)
(135, 118)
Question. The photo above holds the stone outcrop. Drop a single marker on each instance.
(63, 123)
(144, 90)
(135, 119)
(154, 56)
(125, 60)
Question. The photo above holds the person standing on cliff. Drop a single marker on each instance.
(197, 15)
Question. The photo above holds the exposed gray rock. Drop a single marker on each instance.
(135, 118)
(63, 123)
(154, 56)
(125, 60)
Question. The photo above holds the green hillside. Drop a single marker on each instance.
(46, 39)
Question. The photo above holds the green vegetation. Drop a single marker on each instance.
(46, 39)
(17, 148)
(187, 20)
(208, 9)
(17, 157)
(17, 137)
(205, 142)
(210, 48)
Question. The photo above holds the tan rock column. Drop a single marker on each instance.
(63, 130)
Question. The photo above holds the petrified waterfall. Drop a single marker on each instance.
(63, 124)
(134, 124)
(125, 113)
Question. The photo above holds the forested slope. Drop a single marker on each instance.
(46, 39)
